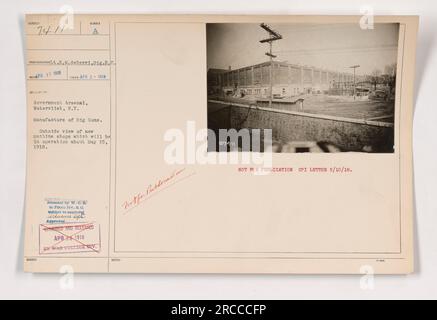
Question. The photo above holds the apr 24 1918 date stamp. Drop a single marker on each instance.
(69, 238)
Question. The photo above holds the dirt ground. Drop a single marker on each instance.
(349, 108)
(341, 106)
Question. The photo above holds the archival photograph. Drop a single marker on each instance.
(316, 87)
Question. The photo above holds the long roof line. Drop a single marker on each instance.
(287, 64)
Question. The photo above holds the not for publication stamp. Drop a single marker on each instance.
(69, 238)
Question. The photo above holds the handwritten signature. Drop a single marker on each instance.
(152, 189)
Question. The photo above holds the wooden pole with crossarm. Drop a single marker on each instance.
(273, 36)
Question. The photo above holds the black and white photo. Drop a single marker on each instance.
(318, 87)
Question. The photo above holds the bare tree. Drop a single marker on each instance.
(390, 69)
(375, 77)
(390, 76)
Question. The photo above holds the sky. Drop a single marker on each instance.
(334, 47)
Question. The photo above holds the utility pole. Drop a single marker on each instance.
(354, 67)
(273, 36)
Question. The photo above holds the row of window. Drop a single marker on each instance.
(262, 76)
(265, 91)
(255, 91)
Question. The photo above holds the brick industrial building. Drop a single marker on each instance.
(288, 80)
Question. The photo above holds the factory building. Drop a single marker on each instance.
(287, 79)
